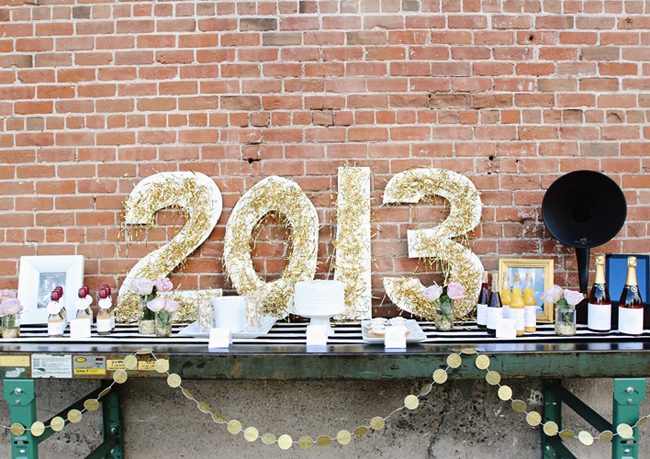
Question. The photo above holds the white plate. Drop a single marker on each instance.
(267, 323)
(416, 335)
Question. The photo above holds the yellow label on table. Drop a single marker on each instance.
(89, 371)
(115, 365)
(146, 366)
(14, 360)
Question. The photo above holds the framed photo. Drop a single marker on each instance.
(38, 276)
(542, 274)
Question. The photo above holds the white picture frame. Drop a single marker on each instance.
(39, 275)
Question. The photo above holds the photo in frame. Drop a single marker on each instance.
(39, 275)
(542, 274)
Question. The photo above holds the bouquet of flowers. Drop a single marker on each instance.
(9, 308)
(147, 290)
(565, 302)
(443, 298)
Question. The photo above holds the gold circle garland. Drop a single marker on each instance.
(343, 437)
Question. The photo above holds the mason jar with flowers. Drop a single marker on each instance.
(10, 307)
(163, 309)
(443, 298)
(148, 290)
(565, 302)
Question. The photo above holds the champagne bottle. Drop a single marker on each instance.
(599, 313)
(530, 306)
(104, 315)
(482, 304)
(112, 308)
(495, 309)
(517, 306)
(630, 310)
(55, 321)
(506, 295)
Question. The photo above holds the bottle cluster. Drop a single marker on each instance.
(82, 324)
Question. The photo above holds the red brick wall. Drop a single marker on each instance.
(96, 95)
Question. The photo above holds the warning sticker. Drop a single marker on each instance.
(14, 360)
(116, 365)
(146, 366)
(51, 366)
(89, 365)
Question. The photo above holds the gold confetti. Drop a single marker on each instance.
(411, 402)
(343, 437)
(74, 416)
(323, 440)
(234, 427)
(104, 392)
(585, 438)
(359, 431)
(606, 436)
(505, 393)
(454, 360)
(377, 423)
(251, 434)
(57, 423)
(440, 376)
(218, 417)
(268, 439)
(625, 431)
(518, 406)
(17, 429)
(130, 362)
(640, 422)
(551, 428)
(161, 365)
(482, 362)
(173, 380)
(567, 434)
(120, 376)
(188, 394)
(426, 389)
(203, 407)
(144, 351)
(493, 378)
(306, 442)
(285, 441)
(395, 413)
(469, 351)
(533, 418)
(37, 429)
(91, 405)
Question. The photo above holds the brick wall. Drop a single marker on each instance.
(96, 95)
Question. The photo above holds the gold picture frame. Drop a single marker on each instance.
(542, 271)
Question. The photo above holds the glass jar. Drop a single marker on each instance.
(445, 316)
(565, 321)
(146, 324)
(163, 324)
(10, 327)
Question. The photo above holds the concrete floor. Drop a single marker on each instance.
(459, 420)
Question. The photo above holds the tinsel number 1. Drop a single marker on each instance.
(458, 262)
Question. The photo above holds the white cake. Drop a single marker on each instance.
(319, 298)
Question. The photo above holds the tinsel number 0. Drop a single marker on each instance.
(459, 263)
(200, 198)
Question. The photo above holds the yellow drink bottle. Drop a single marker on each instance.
(506, 295)
(530, 306)
(517, 306)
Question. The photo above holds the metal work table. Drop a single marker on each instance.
(283, 355)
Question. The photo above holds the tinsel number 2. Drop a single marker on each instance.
(200, 199)
(458, 262)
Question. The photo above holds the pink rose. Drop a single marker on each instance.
(573, 298)
(171, 305)
(157, 304)
(142, 286)
(11, 307)
(552, 294)
(163, 285)
(432, 293)
(6, 295)
(455, 291)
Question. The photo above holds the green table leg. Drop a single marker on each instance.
(628, 394)
(552, 412)
(19, 394)
(112, 424)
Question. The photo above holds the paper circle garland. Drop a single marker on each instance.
(286, 198)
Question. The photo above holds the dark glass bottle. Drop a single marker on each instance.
(495, 308)
(482, 303)
(599, 314)
(630, 310)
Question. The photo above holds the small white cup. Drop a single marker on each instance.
(229, 312)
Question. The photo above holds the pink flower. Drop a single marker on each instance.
(142, 286)
(171, 305)
(163, 285)
(157, 304)
(455, 291)
(573, 298)
(432, 293)
(11, 307)
(552, 294)
(6, 295)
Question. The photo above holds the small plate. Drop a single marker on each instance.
(267, 323)
(416, 335)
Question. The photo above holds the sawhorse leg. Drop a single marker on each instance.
(19, 394)
(628, 395)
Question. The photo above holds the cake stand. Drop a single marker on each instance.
(321, 317)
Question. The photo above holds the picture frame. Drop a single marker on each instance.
(542, 271)
(39, 275)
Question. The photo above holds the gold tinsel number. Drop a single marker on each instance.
(458, 262)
